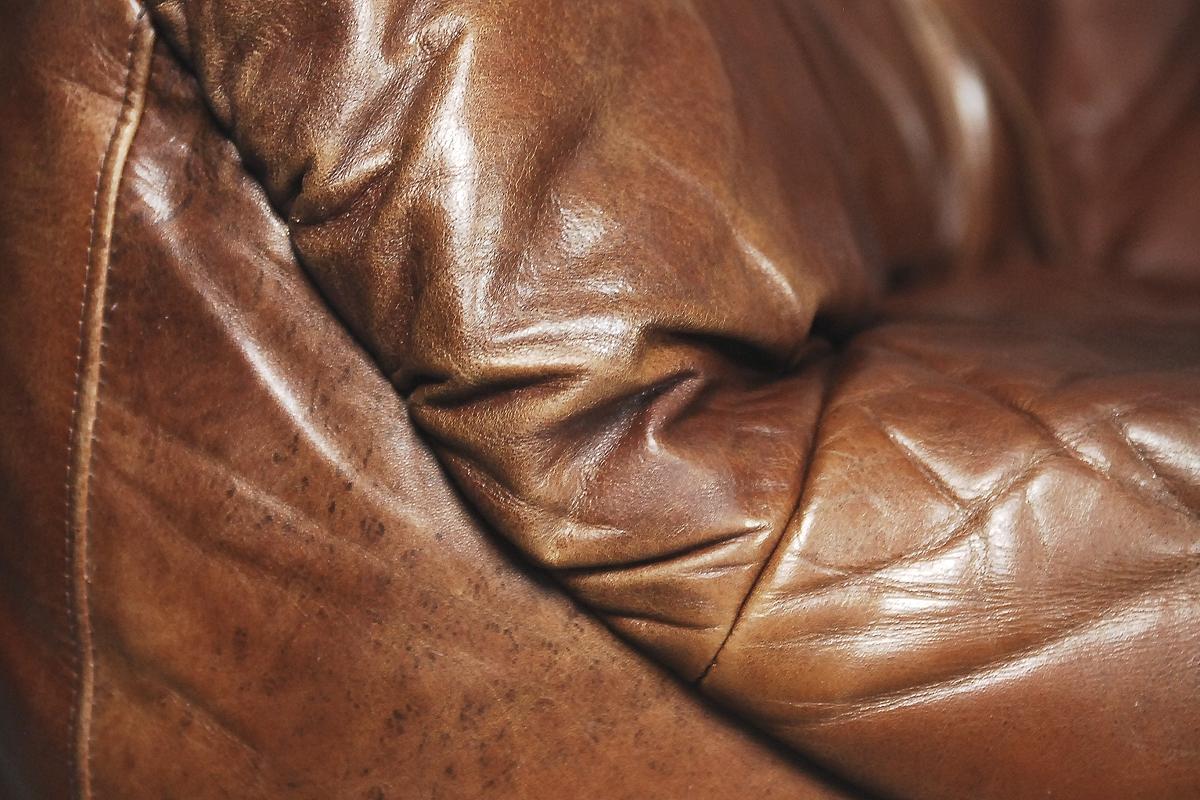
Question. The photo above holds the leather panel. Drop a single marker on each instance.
(63, 69)
(288, 599)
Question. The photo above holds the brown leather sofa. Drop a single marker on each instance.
(600, 399)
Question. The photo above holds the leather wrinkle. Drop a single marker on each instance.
(834, 713)
(831, 375)
(206, 716)
(973, 510)
(851, 708)
(943, 540)
(978, 509)
(1168, 485)
(532, 569)
(86, 396)
(380, 181)
(1070, 450)
(286, 218)
(539, 574)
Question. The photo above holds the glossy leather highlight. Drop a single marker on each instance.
(797, 346)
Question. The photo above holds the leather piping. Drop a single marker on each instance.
(89, 358)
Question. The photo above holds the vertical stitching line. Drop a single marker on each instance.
(73, 447)
(85, 400)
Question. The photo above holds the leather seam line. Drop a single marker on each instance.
(188, 68)
(85, 399)
(831, 378)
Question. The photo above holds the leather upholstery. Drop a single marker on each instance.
(803, 349)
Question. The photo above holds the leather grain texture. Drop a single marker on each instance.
(64, 72)
(310, 611)
(370, 364)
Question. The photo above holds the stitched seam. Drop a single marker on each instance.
(85, 402)
(72, 448)
(818, 426)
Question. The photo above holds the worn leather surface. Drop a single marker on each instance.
(995, 556)
(284, 596)
(63, 70)
(345, 594)
(607, 293)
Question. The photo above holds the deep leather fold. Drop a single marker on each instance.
(595, 272)
(597, 245)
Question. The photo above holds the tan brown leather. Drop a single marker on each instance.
(284, 597)
(1110, 88)
(604, 329)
